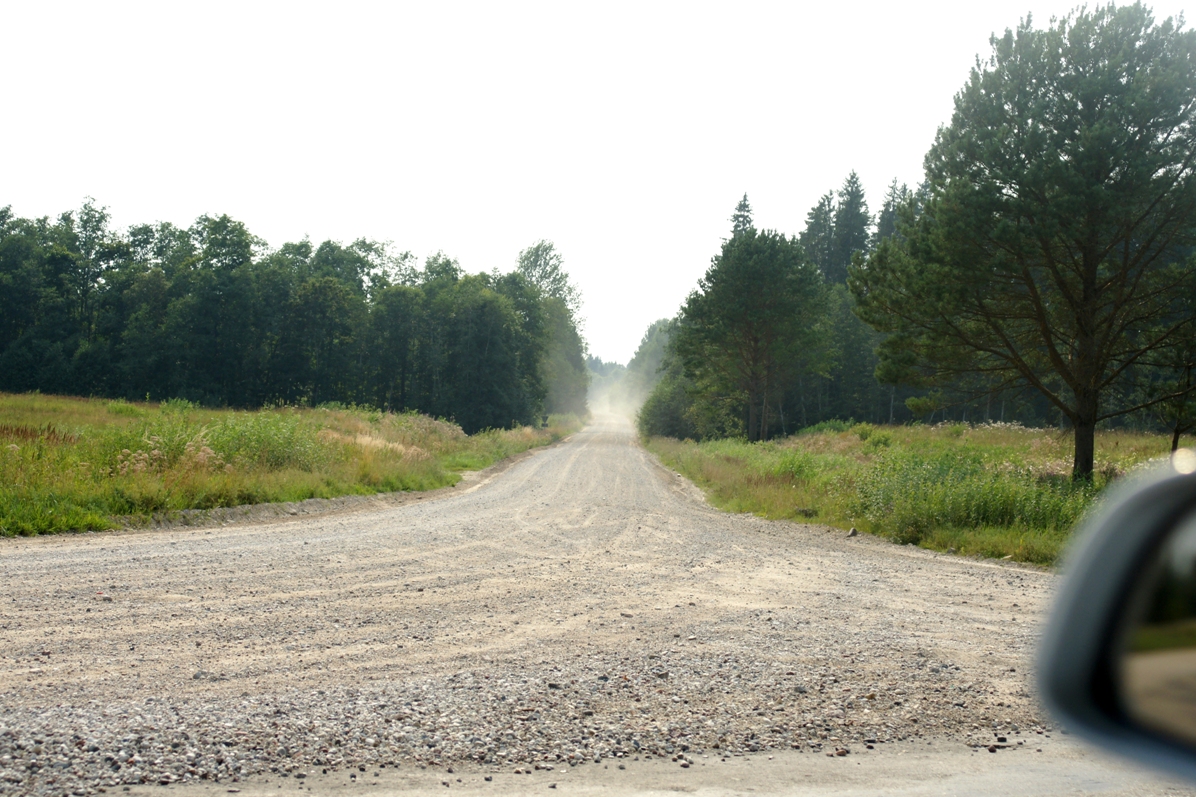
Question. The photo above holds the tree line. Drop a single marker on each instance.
(1042, 272)
(209, 313)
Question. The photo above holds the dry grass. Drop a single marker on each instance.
(994, 490)
(75, 464)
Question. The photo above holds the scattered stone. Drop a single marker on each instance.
(239, 657)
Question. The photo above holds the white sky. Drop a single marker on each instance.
(623, 132)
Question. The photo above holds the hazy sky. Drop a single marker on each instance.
(623, 132)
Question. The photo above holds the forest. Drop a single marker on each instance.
(209, 314)
(1043, 271)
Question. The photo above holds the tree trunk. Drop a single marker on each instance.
(1085, 451)
(1085, 430)
(764, 410)
(801, 392)
(753, 418)
(1175, 438)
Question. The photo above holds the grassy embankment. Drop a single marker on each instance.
(69, 464)
(995, 490)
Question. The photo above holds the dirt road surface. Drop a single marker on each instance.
(579, 621)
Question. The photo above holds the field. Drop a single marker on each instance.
(70, 464)
(995, 490)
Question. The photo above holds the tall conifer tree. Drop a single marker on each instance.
(818, 238)
(741, 219)
(852, 222)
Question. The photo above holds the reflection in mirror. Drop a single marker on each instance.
(1158, 666)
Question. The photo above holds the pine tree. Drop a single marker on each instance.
(1054, 259)
(886, 220)
(741, 220)
(851, 228)
(819, 236)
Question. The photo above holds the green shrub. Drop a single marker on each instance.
(177, 405)
(122, 407)
(665, 413)
(905, 494)
(877, 440)
(832, 425)
(795, 463)
(273, 440)
(863, 431)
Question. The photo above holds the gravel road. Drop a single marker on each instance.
(584, 606)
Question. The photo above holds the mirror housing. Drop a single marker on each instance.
(1109, 564)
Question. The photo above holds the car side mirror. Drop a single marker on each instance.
(1117, 663)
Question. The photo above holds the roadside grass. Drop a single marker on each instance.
(995, 490)
(71, 464)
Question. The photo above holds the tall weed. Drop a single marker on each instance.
(986, 490)
(907, 494)
(75, 464)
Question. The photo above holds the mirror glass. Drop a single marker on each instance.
(1158, 661)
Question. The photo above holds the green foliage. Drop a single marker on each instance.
(925, 405)
(851, 225)
(755, 316)
(990, 490)
(177, 456)
(832, 425)
(840, 379)
(565, 374)
(880, 440)
(271, 440)
(665, 413)
(210, 316)
(796, 464)
(1052, 248)
(122, 407)
(886, 221)
(863, 430)
(741, 219)
(542, 266)
(818, 237)
(905, 494)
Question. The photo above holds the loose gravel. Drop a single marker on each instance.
(585, 605)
